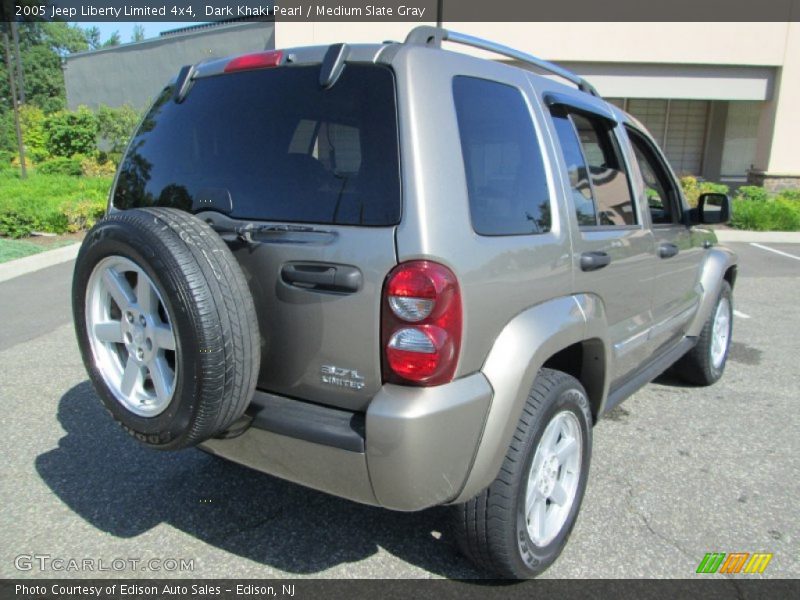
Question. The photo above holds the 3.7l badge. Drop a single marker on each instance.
(346, 378)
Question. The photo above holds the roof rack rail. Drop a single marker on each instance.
(425, 35)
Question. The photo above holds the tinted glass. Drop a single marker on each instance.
(505, 173)
(576, 169)
(656, 181)
(275, 143)
(609, 181)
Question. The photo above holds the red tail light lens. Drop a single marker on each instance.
(421, 324)
(259, 60)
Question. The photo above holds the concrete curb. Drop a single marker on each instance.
(29, 264)
(774, 237)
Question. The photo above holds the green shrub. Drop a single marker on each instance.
(774, 214)
(71, 132)
(62, 166)
(752, 193)
(83, 214)
(790, 195)
(16, 225)
(49, 202)
(33, 134)
(93, 167)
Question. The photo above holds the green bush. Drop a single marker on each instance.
(84, 214)
(93, 167)
(790, 195)
(51, 203)
(752, 193)
(71, 132)
(32, 123)
(16, 225)
(772, 214)
(62, 166)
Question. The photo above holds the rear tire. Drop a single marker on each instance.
(166, 326)
(705, 363)
(545, 469)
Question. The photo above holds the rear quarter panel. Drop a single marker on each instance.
(500, 276)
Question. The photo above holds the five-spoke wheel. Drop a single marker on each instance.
(132, 336)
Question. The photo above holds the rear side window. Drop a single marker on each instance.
(506, 181)
(276, 144)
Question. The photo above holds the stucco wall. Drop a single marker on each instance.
(135, 73)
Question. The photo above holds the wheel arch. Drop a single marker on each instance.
(556, 332)
(719, 265)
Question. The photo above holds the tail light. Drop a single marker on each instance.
(258, 60)
(421, 324)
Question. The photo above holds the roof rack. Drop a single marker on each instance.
(425, 35)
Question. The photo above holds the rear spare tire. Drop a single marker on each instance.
(166, 326)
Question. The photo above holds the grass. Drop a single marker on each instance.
(13, 249)
(51, 203)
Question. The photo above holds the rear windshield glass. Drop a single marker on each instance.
(274, 145)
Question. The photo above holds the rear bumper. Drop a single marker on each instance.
(414, 449)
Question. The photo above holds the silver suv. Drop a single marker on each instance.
(402, 275)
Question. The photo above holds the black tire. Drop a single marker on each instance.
(204, 292)
(491, 529)
(697, 366)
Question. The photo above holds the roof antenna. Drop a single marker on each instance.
(333, 65)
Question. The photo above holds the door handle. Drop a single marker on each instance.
(592, 261)
(322, 277)
(667, 250)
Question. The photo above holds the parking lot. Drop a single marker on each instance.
(676, 471)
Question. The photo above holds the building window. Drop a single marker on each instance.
(741, 132)
(678, 126)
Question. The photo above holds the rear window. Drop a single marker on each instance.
(275, 145)
(503, 164)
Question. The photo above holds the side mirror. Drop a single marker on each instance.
(712, 209)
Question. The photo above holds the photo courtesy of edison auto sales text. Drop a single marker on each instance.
(169, 589)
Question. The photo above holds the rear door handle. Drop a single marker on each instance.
(667, 250)
(322, 277)
(592, 261)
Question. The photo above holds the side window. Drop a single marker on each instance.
(505, 174)
(658, 186)
(610, 187)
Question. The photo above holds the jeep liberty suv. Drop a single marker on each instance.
(401, 275)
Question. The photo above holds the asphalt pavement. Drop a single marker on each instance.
(676, 471)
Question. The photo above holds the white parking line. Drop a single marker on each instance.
(740, 314)
(781, 252)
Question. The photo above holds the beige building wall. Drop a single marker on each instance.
(778, 151)
(703, 61)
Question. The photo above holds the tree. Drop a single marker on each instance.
(42, 46)
(93, 37)
(138, 33)
(113, 40)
